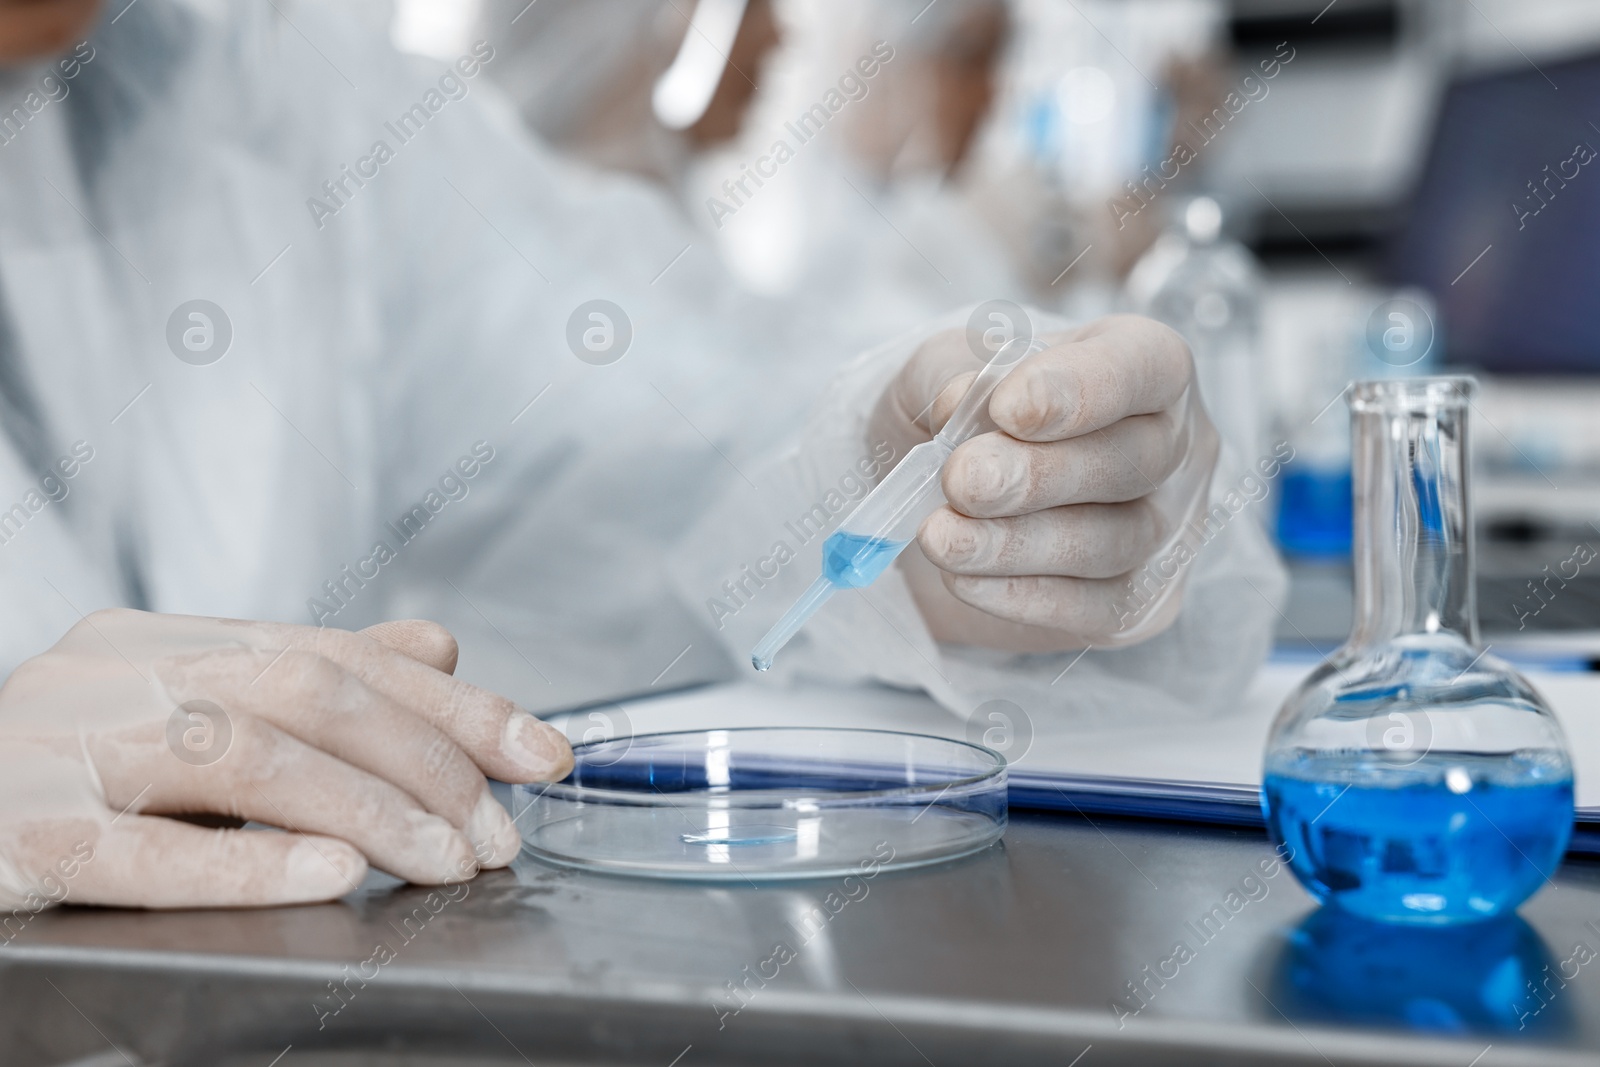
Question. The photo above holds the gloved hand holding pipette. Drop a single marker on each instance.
(1101, 452)
(1066, 463)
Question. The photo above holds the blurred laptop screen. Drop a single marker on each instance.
(1504, 227)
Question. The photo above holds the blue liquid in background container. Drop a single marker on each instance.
(1314, 513)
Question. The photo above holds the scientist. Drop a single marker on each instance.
(292, 330)
(583, 75)
(836, 182)
(879, 211)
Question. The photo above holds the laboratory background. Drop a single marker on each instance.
(1052, 154)
(627, 342)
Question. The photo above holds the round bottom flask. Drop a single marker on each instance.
(1413, 777)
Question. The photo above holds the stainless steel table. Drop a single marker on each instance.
(1015, 955)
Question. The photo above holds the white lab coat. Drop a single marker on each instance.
(419, 327)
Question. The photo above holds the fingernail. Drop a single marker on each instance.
(987, 477)
(536, 747)
(318, 870)
(495, 841)
(957, 542)
(1033, 407)
(444, 853)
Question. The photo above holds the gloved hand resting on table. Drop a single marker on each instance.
(361, 745)
(1102, 453)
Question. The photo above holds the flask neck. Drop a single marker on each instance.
(1413, 538)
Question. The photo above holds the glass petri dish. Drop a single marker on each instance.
(765, 803)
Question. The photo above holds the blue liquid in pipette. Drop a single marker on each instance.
(1454, 837)
(854, 562)
(849, 561)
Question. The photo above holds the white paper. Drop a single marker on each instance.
(1224, 751)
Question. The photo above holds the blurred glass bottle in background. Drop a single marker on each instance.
(1364, 334)
(1083, 143)
(1205, 286)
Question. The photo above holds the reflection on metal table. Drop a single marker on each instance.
(1058, 943)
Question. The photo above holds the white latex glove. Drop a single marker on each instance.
(1102, 456)
(360, 745)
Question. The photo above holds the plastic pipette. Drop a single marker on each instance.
(883, 524)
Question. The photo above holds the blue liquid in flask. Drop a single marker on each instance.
(1416, 778)
(853, 561)
(1452, 837)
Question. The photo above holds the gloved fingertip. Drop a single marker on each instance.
(420, 639)
(1032, 405)
(495, 841)
(435, 852)
(987, 477)
(976, 591)
(536, 747)
(462, 861)
(323, 868)
(939, 538)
